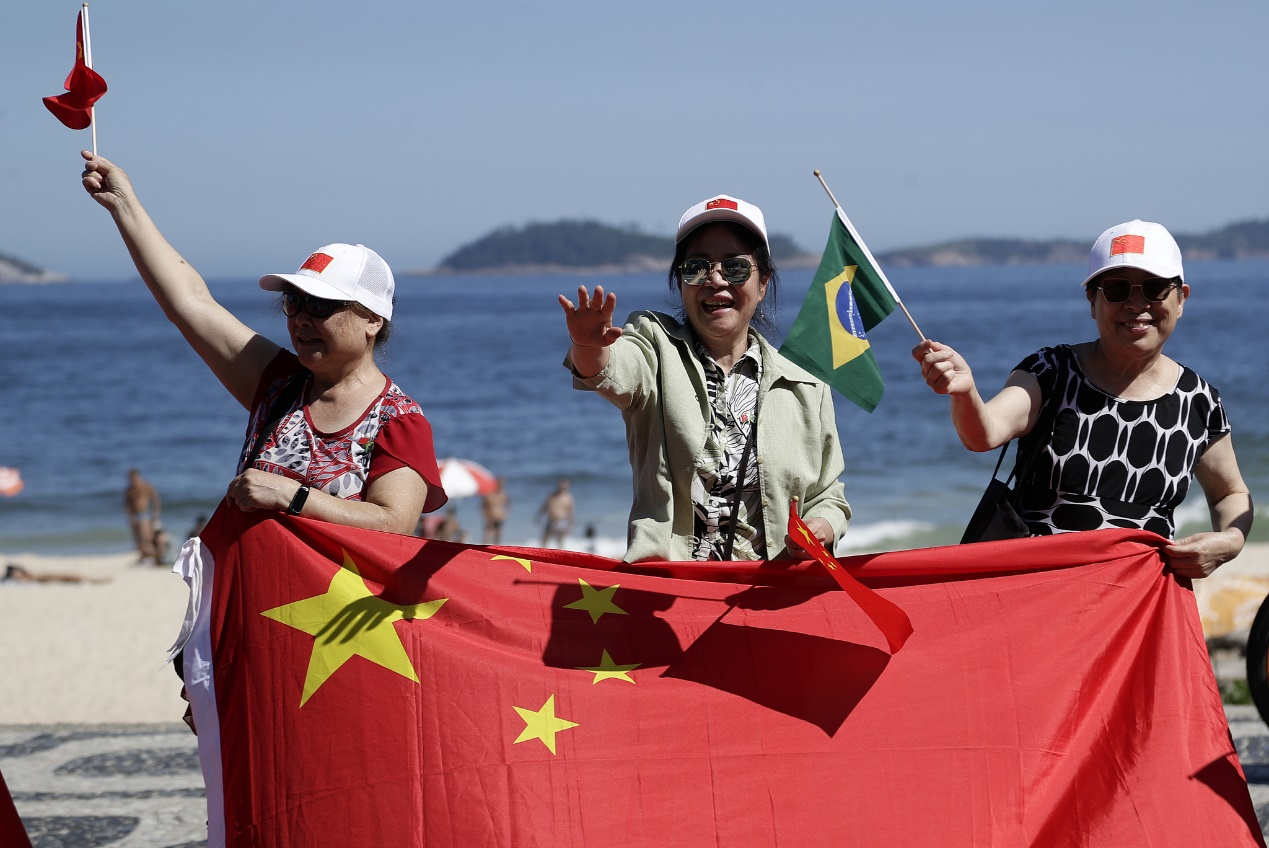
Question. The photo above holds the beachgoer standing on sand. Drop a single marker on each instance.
(141, 504)
(493, 509)
(558, 510)
(723, 431)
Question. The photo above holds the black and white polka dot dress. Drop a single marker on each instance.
(1113, 462)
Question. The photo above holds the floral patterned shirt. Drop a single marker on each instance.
(391, 433)
(733, 399)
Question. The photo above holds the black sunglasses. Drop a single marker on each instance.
(734, 271)
(318, 307)
(1118, 290)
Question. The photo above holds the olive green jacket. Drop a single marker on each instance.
(656, 380)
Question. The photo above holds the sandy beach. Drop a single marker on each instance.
(94, 651)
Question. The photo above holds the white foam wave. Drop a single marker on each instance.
(861, 537)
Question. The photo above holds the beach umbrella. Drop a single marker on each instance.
(462, 478)
(10, 482)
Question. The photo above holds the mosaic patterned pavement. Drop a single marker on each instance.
(138, 786)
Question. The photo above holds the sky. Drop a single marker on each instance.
(258, 131)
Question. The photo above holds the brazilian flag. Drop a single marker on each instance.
(848, 297)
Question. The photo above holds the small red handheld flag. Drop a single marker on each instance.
(892, 621)
(83, 85)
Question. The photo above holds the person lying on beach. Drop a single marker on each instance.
(330, 436)
(14, 573)
(723, 431)
(1127, 428)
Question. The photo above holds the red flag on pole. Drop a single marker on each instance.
(890, 620)
(408, 693)
(83, 85)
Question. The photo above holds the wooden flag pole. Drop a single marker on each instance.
(868, 254)
(88, 60)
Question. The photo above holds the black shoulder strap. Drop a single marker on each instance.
(281, 404)
(740, 485)
(1044, 424)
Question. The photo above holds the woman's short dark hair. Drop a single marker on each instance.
(385, 331)
(754, 243)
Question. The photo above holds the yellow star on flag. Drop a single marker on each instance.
(542, 724)
(609, 670)
(528, 564)
(349, 621)
(596, 601)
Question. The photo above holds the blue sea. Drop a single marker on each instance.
(94, 381)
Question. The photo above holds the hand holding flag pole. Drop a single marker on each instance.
(868, 253)
(848, 297)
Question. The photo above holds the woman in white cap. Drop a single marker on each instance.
(708, 402)
(330, 436)
(1129, 426)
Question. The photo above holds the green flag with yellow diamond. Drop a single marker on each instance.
(849, 296)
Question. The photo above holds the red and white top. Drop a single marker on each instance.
(391, 433)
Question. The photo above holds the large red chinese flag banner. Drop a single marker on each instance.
(360, 688)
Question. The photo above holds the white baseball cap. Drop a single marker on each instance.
(722, 208)
(1136, 244)
(342, 272)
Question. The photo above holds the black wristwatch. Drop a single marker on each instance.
(297, 502)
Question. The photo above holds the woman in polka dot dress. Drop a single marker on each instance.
(1131, 427)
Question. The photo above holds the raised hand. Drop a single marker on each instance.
(590, 321)
(106, 182)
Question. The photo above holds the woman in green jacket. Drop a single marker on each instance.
(708, 402)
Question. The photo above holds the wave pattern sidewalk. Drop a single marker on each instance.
(123, 786)
(139, 786)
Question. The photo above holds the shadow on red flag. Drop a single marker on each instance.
(419, 693)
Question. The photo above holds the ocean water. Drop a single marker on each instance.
(94, 381)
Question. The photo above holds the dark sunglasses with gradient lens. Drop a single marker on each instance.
(734, 271)
(1118, 290)
(318, 307)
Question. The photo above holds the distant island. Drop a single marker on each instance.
(14, 270)
(582, 247)
(592, 247)
(1243, 240)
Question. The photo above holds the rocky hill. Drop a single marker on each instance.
(579, 247)
(14, 270)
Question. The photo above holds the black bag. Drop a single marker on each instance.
(996, 517)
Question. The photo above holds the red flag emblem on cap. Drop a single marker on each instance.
(1127, 244)
(721, 203)
(317, 262)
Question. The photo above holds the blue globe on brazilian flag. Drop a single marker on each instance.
(848, 297)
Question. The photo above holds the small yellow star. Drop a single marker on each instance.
(528, 564)
(542, 724)
(609, 670)
(349, 621)
(596, 601)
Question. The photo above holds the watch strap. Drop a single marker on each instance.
(297, 502)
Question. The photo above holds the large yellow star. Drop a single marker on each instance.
(349, 621)
(609, 670)
(596, 601)
(542, 724)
